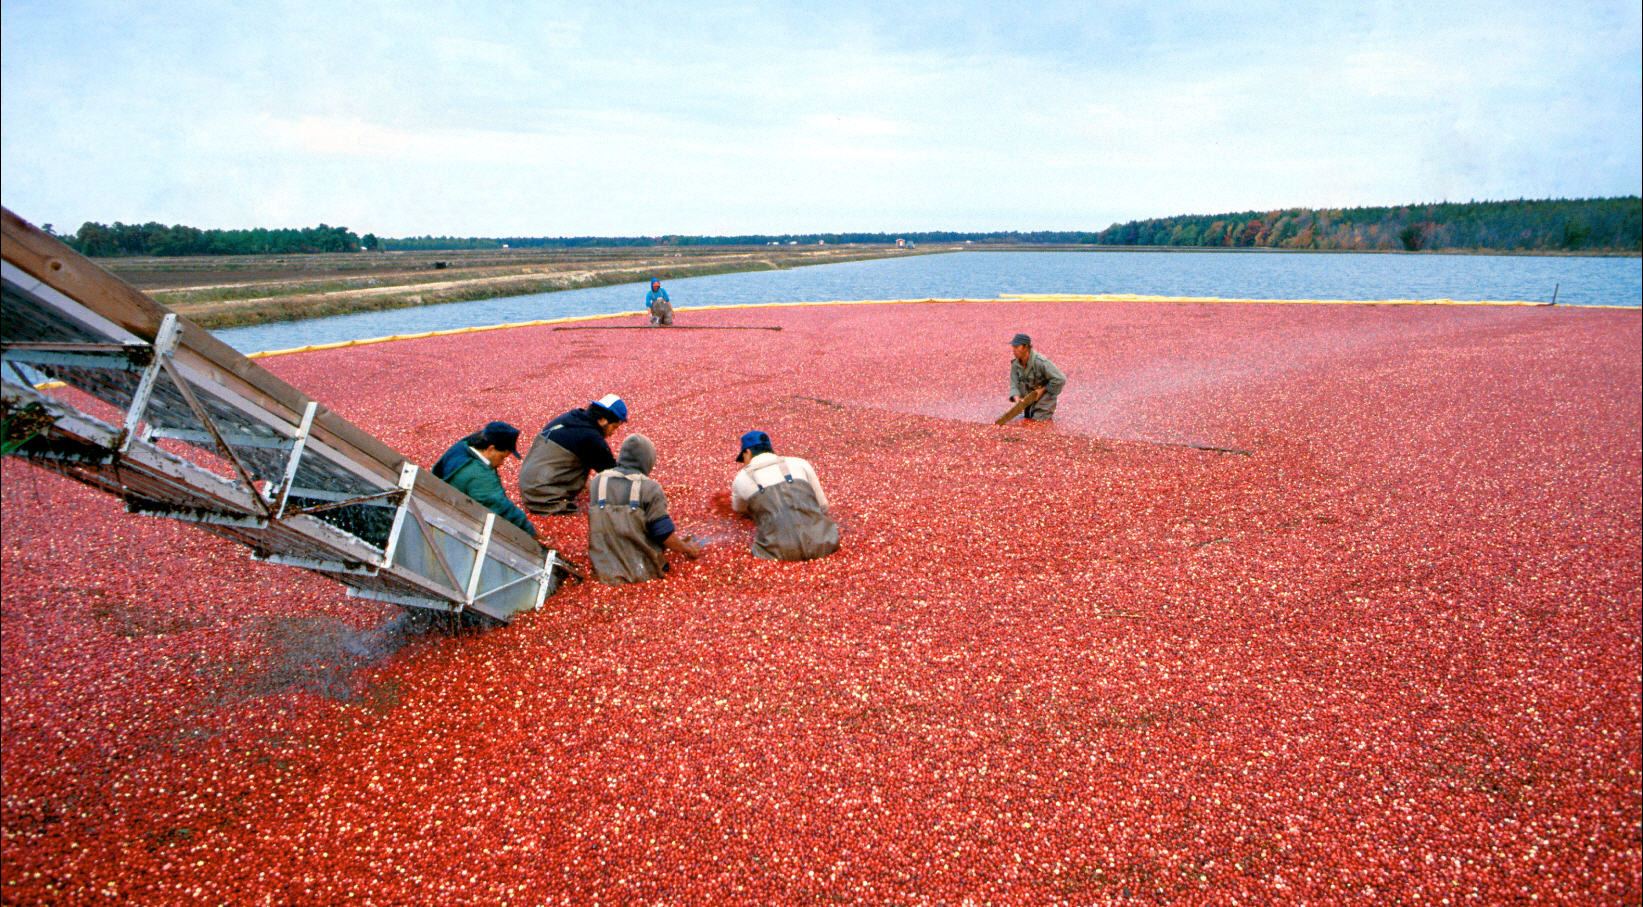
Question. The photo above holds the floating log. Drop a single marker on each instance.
(670, 327)
(1019, 407)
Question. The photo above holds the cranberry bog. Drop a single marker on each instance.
(1293, 603)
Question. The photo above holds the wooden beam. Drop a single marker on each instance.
(669, 327)
(1019, 407)
(54, 264)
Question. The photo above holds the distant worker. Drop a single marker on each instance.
(1036, 378)
(629, 530)
(471, 466)
(786, 501)
(556, 469)
(661, 308)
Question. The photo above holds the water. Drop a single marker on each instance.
(986, 275)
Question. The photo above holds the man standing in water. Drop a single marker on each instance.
(661, 308)
(1035, 378)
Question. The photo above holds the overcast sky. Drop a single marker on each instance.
(557, 119)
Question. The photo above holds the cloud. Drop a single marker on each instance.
(416, 117)
(353, 138)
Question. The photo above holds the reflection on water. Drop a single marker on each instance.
(986, 275)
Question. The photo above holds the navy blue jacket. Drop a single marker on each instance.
(578, 433)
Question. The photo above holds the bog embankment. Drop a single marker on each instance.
(230, 291)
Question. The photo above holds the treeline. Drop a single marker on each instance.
(1549, 225)
(1565, 225)
(432, 243)
(158, 239)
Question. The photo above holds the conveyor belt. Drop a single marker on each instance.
(176, 423)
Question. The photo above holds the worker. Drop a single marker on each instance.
(786, 501)
(661, 308)
(471, 466)
(1034, 377)
(629, 530)
(568, 448)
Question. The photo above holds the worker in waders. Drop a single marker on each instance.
(661, 308)
(629, 530)
(786, 501)
(556, 469)
(1032, 375)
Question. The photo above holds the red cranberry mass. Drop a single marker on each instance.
(1305, 604)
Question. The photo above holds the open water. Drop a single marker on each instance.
(1256, 274)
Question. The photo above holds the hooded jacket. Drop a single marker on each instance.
(661, 308)
(627, 517)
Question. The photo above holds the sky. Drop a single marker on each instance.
(416, 118)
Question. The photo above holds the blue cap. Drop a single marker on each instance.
(754, 440)
(1021, 340)
(501, 436)
(612, 404)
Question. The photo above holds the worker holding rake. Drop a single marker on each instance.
(1034, 380)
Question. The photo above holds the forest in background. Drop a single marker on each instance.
(1578, 225)
(1601, 225)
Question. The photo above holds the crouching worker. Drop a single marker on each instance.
(470, 466)
(565, 451)
(786, 501)
(629, 530)
(661, 307)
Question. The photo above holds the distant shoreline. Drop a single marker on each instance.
(241, 291)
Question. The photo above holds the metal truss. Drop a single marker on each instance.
(157, 411)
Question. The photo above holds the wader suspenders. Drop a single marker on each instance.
(787, 476)
(633, 491)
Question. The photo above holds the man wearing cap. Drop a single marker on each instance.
(629, 530)
(1036, 378)
(556, 469)
(470, 466)
(661, 308)
(786, 501)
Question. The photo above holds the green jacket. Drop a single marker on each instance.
(476, 479)
(1038, 372)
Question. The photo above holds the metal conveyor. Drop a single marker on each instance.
(178, 424)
